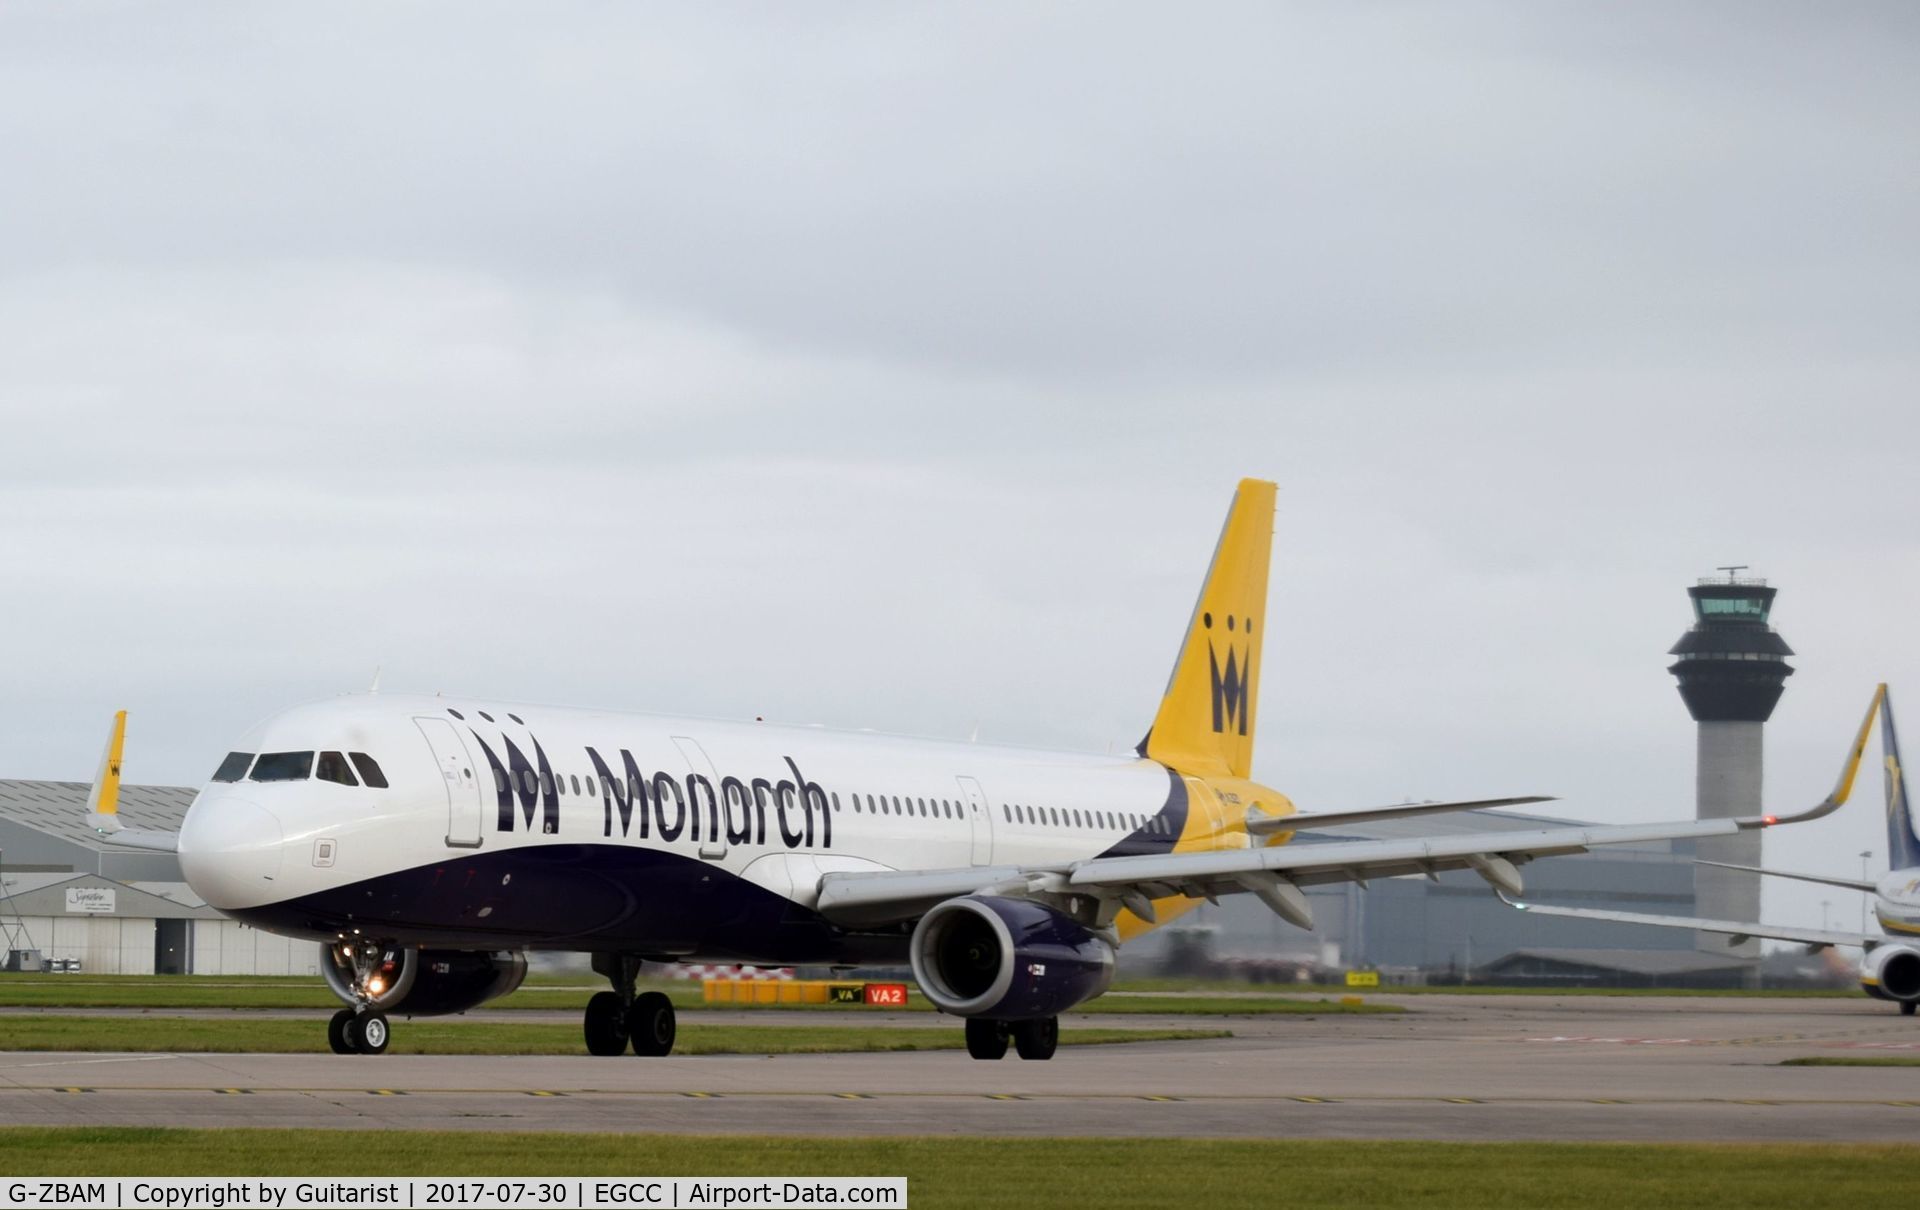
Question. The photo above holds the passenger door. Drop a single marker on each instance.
(979, 819)
(712, 847)
(456, 772)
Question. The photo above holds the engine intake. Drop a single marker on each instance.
(1006, 959)
(425, 983)
(1891, 972)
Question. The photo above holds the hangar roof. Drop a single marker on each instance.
(59, 808)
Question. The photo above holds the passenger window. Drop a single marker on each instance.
(333, 767)
(836, 800)
(546, 783)
(485, 715)
(526, 779)
(499, 781)
(283, 766)
(370, 771)
(234, 767)
(576, 785)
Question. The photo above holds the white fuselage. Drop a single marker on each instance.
(1896, 903)
(517, 826)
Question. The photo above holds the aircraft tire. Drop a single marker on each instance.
(337, 1040)
(987, 1039)
(1907, 1007)
(606, 1024)
(651, 1024)
(1036, 1039)
(370, 1034)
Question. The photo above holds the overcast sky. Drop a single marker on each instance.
(890, 366)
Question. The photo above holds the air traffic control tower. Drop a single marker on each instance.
(1732, 668)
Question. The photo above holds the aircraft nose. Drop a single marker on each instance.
(230, 852)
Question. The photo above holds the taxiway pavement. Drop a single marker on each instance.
(1454, 1067)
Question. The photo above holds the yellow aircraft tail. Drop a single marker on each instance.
(1205, 724)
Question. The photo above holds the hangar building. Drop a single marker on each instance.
(89, 906)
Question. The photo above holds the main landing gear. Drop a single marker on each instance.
(1036, 1039)
(620, 1018)
(1907, 1007)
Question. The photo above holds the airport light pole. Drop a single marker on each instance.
(1865, 855)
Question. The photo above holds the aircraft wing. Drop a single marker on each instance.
(103, 801)
(1276, 874)
(1270, 825)
(1736, 929)
(1850, 884)
(135, 838)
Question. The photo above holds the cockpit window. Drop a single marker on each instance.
(283, 766)
(234, 767)
(333, 767)
(369, 770)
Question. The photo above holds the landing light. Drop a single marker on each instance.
(376, 985)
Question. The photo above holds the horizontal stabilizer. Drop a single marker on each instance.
(1270, 825)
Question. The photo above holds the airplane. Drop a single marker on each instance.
(429, 843)
(1890, 967)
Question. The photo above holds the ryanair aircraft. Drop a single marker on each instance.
(1890, 968)
(428, 842)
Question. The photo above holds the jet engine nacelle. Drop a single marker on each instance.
(1006, 959)
(1891, 972)
(425, 983)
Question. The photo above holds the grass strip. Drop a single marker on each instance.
(439, 1036)
(1113, 1174)
(1208, 1006)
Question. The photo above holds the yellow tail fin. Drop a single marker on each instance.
(1205, 724)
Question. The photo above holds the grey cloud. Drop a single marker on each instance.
(890, 367)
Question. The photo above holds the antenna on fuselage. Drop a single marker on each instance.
(375, 687)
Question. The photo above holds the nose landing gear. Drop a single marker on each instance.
(358, 1033)
(617, 1018)
(367, 973)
